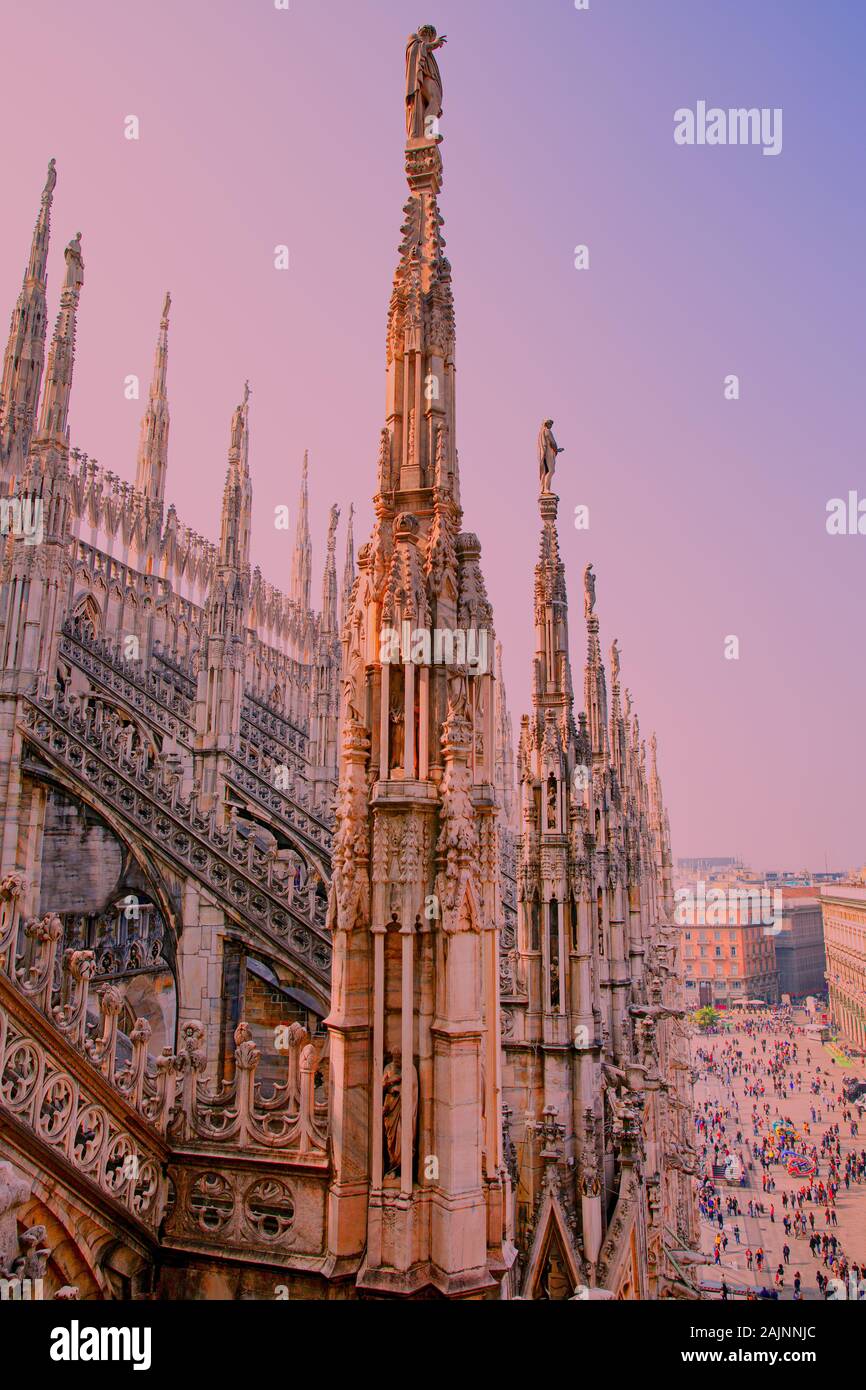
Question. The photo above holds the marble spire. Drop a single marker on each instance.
(54, 416)
(302, 558)
(24, 359)
(329, 578)
(238, 493)
(348, 570)
(153, 440)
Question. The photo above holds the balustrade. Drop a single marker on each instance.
(171, 1092)
(90, 738)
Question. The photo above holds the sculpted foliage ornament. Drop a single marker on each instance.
(349, 900)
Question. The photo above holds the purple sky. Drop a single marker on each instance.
(261, 127)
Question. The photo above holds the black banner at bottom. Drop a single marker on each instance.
(214, 1340)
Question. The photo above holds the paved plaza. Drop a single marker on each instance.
(726, 1093)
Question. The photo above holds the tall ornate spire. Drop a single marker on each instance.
(415, 905)
(552, 686)
(24, 360)
(420, 449)
(222, 664)
(348, 570)
(302, 559)
(504, 749)
(238, 493)
(153, 440)
(54, 417)
(617, 722)
(554, 977)
(595, 686)
(329, 578)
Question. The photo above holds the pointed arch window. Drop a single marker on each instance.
(86, 618)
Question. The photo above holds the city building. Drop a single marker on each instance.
(843, 908)
(800, 943)
(727, 936)
(247, 840)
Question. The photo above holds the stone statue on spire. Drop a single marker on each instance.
(74, 263)
(239, 420)
(588, 592)
(333, 522)
(423, 84)
(548, 449)
(614, 658)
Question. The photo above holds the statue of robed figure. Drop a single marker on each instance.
(423, 83)
(393, 1101)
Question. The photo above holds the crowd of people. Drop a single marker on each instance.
(757, 1163)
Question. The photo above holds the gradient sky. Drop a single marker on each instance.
(261, 127)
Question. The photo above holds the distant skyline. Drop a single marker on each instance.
(261, 127)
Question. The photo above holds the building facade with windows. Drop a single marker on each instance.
(800, 953)
(843, 908)
(728, 957)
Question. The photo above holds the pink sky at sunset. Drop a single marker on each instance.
(707, 516)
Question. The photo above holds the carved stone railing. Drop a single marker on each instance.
(57, 1078)
(179, 675)
(274, 725)
(249, 882)
(270, 748)
(162, 696)
(128, 940)
(144, 692)
(171, 1093)
(189, 1111)
(256, 776)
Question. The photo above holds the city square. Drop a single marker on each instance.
(722, 1093)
